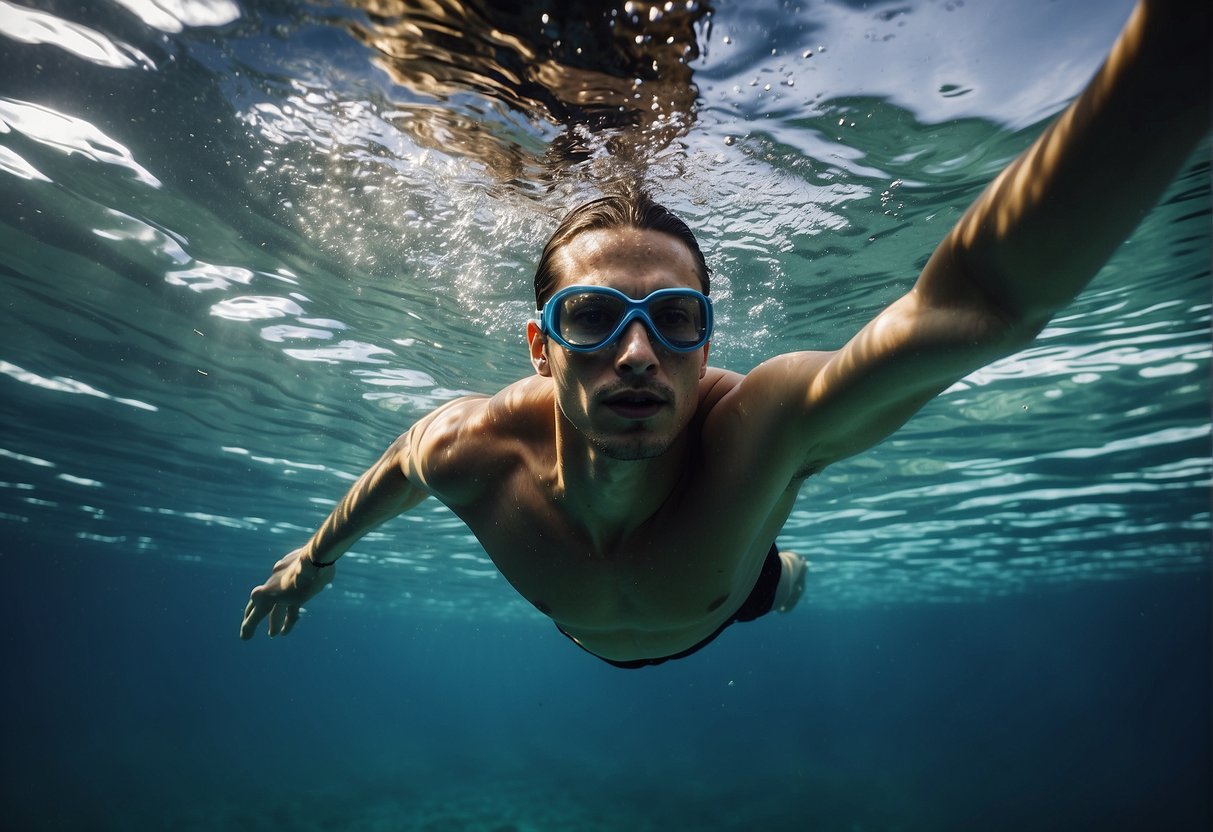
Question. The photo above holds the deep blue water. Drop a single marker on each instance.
(129, 707)
(240, 251)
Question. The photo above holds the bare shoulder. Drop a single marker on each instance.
(762, 414)
(456, 450)
(771, 386)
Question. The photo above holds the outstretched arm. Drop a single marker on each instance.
(1050, 221)
(431, 458)
(379, 494)
(1025, 248)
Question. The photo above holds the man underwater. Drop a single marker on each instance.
(632, 493)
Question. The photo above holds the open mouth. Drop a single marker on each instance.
(637, 404)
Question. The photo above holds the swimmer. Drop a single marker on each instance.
(633, 493)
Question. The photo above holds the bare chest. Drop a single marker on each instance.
(689, 565)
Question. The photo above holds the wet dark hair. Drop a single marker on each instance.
(630, 209)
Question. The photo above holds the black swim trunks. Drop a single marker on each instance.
(759, 602)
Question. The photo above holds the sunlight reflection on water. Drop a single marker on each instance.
(277, 236)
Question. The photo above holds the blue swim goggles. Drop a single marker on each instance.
(589, 318)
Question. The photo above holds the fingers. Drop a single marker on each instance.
(283, 618)
(292, 616)
(261, 603)
(277, 619)
(253, 613)
(271, 598)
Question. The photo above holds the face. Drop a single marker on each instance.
(631, 399)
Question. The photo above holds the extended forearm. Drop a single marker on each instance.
(379, 495)
(1050, 221)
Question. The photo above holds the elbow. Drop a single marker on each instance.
(1019, 330)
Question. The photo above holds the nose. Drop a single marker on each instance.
(634, 352)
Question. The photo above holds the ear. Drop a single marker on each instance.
(539, 358)
(703, 365)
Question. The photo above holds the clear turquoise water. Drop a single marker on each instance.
(237, 258)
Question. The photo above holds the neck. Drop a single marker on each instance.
(610, 498)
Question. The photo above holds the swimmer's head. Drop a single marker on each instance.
(631, 208)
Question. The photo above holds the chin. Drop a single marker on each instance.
(632, 448)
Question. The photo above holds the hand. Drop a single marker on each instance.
(293, 581)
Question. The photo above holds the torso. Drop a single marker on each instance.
(668, 583)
